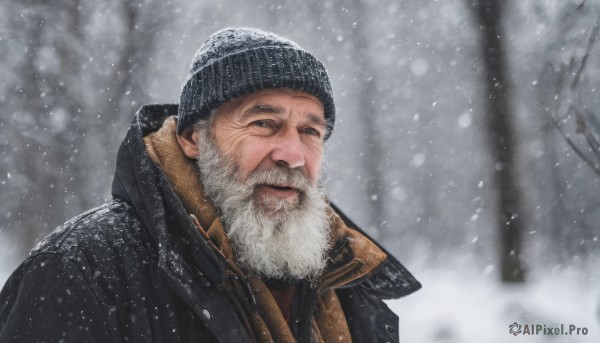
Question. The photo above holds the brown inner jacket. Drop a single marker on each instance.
(265, 323)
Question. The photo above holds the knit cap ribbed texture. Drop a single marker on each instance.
(237, 61)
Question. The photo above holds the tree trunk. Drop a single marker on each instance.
(57, 167)
(498, 121)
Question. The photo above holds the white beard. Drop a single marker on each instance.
(271, 237)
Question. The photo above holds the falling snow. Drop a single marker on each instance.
(408, 78)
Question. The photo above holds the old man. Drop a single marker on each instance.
(219, 230)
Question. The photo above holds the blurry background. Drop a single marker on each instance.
(466, 139)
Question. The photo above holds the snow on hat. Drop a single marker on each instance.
(237, 61)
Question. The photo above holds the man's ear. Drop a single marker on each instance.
(188, 141)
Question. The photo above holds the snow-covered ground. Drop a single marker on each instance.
(463, 305)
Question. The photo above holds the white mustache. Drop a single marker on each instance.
(280, 176)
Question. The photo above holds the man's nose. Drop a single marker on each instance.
(288, 151)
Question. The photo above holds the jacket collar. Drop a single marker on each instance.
(141, 183)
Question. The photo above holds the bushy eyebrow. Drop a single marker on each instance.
(267, 108)
(264, 108)
(318, 120)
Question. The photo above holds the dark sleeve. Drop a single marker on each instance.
(368, 317)
(48, 299)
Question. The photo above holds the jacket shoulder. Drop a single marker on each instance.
(98, 258)
(111, 227)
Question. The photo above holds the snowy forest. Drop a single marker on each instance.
(467, 138)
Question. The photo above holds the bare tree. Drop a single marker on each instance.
(570, 102)
(498, 120)
(571, 78)
(67, 105)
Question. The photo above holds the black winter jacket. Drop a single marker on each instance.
(136, 270)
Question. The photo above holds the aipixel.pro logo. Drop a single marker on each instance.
(516, 329)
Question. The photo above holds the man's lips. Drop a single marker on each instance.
(281, 187)
(282, 191)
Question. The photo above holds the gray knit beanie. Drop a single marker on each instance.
(237, 61)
